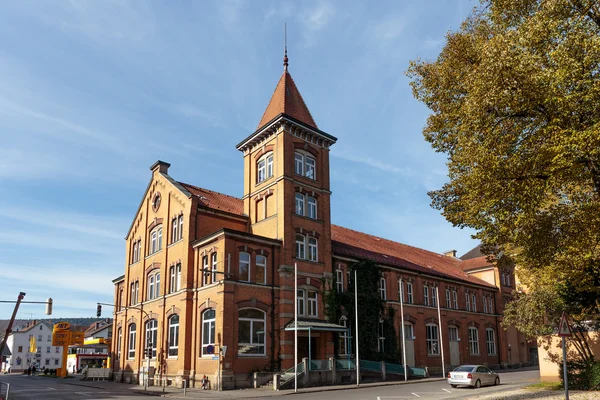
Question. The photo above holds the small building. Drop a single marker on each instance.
(45, 355)
(95, 351)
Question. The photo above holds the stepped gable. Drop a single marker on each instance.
(354, 244)
(216, 200)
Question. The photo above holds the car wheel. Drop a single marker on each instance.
(454, 386)
(477, 384)
(497, 382)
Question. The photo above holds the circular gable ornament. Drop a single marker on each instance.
(156, 202)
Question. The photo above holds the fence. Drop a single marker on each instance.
(319, 365)
(345, 364)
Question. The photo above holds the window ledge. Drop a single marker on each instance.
(132, 264)
(153, 254)
(306, 177)
(308, 261)
(308, 218)
(257, 184)
(174, 243)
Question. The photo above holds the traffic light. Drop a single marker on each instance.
(49, 306)
(99, 311)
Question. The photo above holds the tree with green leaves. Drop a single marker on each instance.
(515, 101)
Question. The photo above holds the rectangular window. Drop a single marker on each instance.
(434, 296)
(154, 241)
(490, 341)
(261, 269)
(206, 271)
(119, 339)
(300, 302)
(310, 167)
(180, 236)
(208, 330)
(455, 299)
(467, 297)
(214, 267)
(425, 295)
(382, 291)
(312, 207)
(49, 338)
(244, 267)
(485, 308)
(40, 337)
(433, 348)
(503, 279)
(174, 336)
(490, 305)
(20, 349)
(313, 254)
(134, 249)
(448, 301)
(174, 230)
(57, 349)
(344, 343)
(299, 204)
(339, 280)
(473, 341)
(131, 348)
(47, 361)
(56, 362)
(300, 249)
(408, 331)
(312, 303)
(262, 170)
(270, 166)
(172, 287)
(409, 292)
(474, 302)
(299, 164)
(508, 279)
(453, 334)
(47, 349)
(381, 339)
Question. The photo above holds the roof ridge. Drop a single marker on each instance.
(208, 190)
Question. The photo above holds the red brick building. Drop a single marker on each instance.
(206, 270)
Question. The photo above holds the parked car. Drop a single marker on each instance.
(472, 375)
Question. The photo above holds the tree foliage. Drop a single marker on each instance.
(515, 101)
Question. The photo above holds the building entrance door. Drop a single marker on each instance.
(303, 347)
(454, 353)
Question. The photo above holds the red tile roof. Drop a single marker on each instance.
(287, 99)
(353, 244)
(216, 200)
(473, 263)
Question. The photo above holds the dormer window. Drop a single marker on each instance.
(305, 165)
(264, 167)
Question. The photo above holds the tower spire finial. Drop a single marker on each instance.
(285, 57)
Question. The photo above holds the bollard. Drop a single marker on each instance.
(184, 387)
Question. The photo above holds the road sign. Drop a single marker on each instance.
(563, 329)
(61, 326)
(210, 349)
(61, 338)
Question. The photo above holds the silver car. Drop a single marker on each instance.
(473, 375)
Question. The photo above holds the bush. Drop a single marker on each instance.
(582, 375)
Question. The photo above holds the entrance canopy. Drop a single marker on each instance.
(315, 325)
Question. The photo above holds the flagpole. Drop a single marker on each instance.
(437, 295)
(296, 327)
(356, 318)
(403, 334)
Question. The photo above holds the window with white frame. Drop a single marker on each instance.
(264, 167)
(300, 247)
(409, 333)
(490, 341)
(175, 229)
(434, 296)
(381, 338)
(48, 349)
(174, 335)
(313, 250)
(485, 308)
(490, 305)
(153, 285)
(453, 333)
(433, 345)
(301, 302)
(473, 341)
(311, 208)
(409, 292)
(448, 301)
(206, 273)
(119, 342)
(299, 204)
(174, 278)
(382, 291)
(251, 332)
(261, 269)
(180, 233)
(244, 274)
(508, 279)
(468, 301)
(305, 164)
(344, 342)
(312, 303)
(131, 343)
(156, 239)
(474, 298)
(455, 299)
(208, 330)
(136, 250)
(214, 265)
(151, 336)
(503, 278)
(426, 295)
(339, 281)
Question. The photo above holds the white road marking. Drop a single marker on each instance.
(414, 394)
(84, 393)
(51, 388)
(446, 390)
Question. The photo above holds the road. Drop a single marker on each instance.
(35, 388)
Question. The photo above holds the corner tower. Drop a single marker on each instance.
(286, 178)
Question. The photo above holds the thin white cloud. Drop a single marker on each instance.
(51, 241)
(377, 164)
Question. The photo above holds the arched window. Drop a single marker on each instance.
(313, 253)
(131, 342)
(119, 342)
(312, 207)
(299, 204)
(490, 339)
(261, 269)
(433, 344)
(453, 333)
(156, 239)
(174, 336)
(151, 338)
(153, 285)
(300, 247)
(208, 330)
(251, 332)
(264, 167)
(244, 267)
(473, 341)
(305, 164)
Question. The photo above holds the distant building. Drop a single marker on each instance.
(45, 354)
(96, 348)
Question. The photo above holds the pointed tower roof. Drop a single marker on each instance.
(287, 100)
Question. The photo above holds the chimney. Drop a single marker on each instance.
(160, 166)
(450, 253)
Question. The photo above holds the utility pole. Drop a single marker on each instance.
(10, 324)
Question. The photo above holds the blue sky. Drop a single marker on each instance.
(93, 92)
